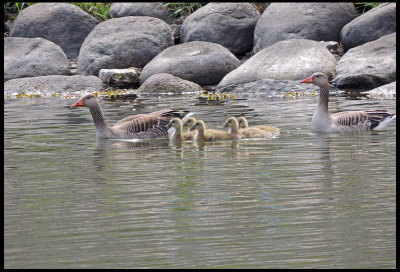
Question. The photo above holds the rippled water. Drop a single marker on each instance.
(301, 200)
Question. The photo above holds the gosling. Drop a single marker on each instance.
(209, 135)
(189, 122)
(178, 135)
(243, 124)
(243, 133)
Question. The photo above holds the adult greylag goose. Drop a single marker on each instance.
(209, 135)
(347, 121)
(177, 134)
(243, 124)
(140, 126)
(238, 133)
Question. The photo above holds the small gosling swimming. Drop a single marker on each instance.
(243, 124)
(209, 135)
(178, 135)
(243, 133)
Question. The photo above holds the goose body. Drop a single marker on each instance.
(177, 134)
(347, 121)
(238, 133)
(209, 135)
(140, 126)
(243, 124)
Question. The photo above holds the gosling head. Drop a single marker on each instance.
(175, 123)
(190, 121)
(231, 122)
(242, 122)
(199, 125)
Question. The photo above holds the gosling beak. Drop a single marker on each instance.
(307, 80)
(169, 125)
(192, 128)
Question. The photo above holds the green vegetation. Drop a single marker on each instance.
(98, 10)
(183, 9)
(363, 7)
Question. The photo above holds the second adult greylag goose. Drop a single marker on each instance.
(238, 133)
(177, 134)
(243, 124)
(140, 126)
(346, 121)
(209, 135)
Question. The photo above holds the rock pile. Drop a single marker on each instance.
(229, 45)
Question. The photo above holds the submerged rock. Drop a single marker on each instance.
(53, 84)
(166, 83)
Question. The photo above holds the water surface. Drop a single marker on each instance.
(300, 200)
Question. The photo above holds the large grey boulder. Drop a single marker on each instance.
(228, 24)
(369, 65)
(165, 83)
(151, 9)
(29, 57)
(53, 84)
(293, 59)
(122, 43)
(312, 21)
(369, 26)
(62, 23)
(204, 63)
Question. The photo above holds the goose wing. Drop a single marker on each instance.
(151, 125)
(364, 119)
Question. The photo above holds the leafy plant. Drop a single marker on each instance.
(98, 9)
(365, 6)
(183, 9)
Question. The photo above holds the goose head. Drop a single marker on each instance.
(175, 123)
(242, 122)
(199, 125)
(190, 122)
(231, 122)
(88, 100)
(319, 79)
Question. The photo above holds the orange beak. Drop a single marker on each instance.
(307, 80)
(79, 103)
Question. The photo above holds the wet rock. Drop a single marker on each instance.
(123, 42)
(204, 63)
(385, 91)
(313, 21)
(167, 83)
(53, 84)
(369, 65)
(151, 9)
(272, 87)
(228, 24)
(293, 59)
(29, 57)
(64, 24)
(369, 26)
(122, 78)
